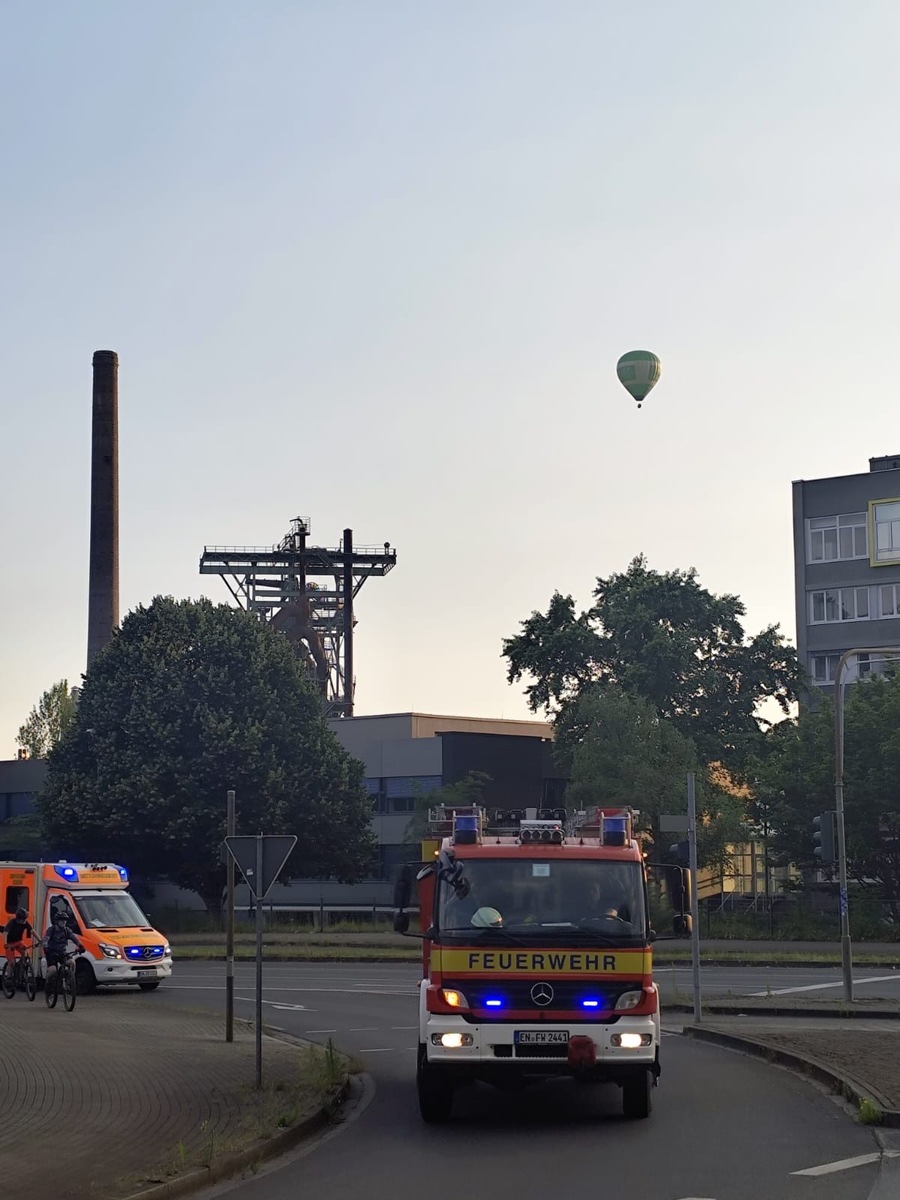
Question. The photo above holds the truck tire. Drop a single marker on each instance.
(85, 979)
(637, 1096)
(435, 1092)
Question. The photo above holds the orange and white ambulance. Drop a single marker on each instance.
(121, 946)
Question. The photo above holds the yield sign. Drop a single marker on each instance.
(261, 871)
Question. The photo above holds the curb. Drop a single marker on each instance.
(232, 1165)
(777, 1010)
(802, 1065)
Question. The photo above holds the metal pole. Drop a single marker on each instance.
(695, 903)
(229, 922)
(846, 948)
(259, 946)
(348, 622)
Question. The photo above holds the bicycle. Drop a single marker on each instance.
(65, 972)
(19, 978)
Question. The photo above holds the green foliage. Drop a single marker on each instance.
(469, 790)
(188, 700)
(797, 768)
(869, 1112)
(20, 838)
(622, 753)
(48, 720)
(667, 639)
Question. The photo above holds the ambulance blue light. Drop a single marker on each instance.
(123, 874)
(590, 1004)
(67, 873)
(494, 1002)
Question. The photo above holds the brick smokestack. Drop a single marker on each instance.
(103, 588)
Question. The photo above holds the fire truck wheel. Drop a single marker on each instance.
(637, 1099)
(435, 1092)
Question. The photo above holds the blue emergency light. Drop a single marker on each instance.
(68, 873)
(123, 874)
(494, 1002)
(590, 1004)
(615, 831)
(465, 830)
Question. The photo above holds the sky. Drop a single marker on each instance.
(374, 264)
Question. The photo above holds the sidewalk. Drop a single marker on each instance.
(125, 1091)
(859, 1059)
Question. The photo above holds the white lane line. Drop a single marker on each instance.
(192, 987)
(379, 1050)
(818, 987)
(404, 1027)
(362, 1029)
(845, 1164)
(321, 1031)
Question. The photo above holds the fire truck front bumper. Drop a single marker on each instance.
(563, 1047)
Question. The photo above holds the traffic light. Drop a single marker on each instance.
(678, 885)
(824, 839)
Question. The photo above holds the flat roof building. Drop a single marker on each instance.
(847, 568)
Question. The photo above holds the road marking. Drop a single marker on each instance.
(404, 1027)
(379, 1050)
(321, 1031)
(818, 987)
(845, 1164)
(291, 1007)
(363, 1029)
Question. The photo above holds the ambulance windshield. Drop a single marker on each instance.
(110, 910)
(550, 899)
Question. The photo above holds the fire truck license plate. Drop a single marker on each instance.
(540, 1037)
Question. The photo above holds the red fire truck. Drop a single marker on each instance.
(536, 956)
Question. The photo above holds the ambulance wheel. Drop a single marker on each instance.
(85, 980)
(149, 985)
(435, 1092)
(637, 1096)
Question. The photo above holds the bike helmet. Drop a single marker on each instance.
(60, 915)
(21, 914)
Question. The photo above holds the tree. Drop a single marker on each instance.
(798, 765)
(188, 700)
(622, 754)
(466, 791)
(667, 639)
(48, 720)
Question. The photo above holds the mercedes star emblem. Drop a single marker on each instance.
(542, 994)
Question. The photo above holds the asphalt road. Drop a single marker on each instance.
(724, 1127)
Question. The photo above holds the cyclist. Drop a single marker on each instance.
(15, 931)
(56, 940)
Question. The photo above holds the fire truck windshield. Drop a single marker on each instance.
(547, 899)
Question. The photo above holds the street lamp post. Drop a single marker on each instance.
(846, 949)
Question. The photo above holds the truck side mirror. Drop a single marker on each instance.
(682, 925)
(401, 890)
(401, 922)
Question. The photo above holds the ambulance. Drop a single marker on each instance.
(121, 947)
(537, 956)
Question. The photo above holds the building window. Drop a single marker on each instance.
(889, 600)
(402, 804)
(839, 604)
(831, 538)
(886, 531)
(823, 666)
(411, 785)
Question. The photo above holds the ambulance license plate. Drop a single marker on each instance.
(541, 1037)
(145, 974)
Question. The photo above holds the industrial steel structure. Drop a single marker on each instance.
(307, 592)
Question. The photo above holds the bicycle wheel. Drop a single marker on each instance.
(30, 981)
(51, 989)
(8, 982)
(68, 987)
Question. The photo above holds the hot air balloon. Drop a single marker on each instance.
(638, 371)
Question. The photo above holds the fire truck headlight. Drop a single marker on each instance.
(631, 1041)
(629, 1000)
(454, 999)
(452, 1041)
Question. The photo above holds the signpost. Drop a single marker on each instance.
(260, 860)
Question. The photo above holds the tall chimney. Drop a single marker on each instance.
(103, 588)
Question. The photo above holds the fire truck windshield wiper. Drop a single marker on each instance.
(478, 932)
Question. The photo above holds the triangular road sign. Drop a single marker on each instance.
(276, 849)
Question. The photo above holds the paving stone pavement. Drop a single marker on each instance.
(119, 1087)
